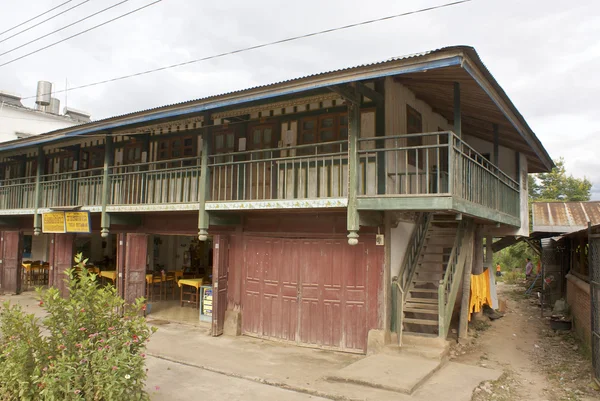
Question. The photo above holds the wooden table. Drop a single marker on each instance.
(194, 296)
(109, 274)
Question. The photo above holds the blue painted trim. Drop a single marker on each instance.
(448, 62)
(504, 111)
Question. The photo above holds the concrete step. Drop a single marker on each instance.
(425, 322)
(420, 310)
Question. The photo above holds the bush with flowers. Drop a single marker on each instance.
(90, 346)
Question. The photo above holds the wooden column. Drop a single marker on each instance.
(353, 135)
(108, 162)
(496, 155)
(386, 285)
(10, 261)
(204, 187)
(457, 111)
(489, 253)
(478, 251)
(120, 267)
(37, 218)
(463, 327)
(380, 131)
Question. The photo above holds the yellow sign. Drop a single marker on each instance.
(53, 222)
(78, 222)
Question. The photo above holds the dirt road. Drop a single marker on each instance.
(539, 364)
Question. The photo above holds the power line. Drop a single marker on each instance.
(44, 21)
(64, 27)
(290, 39)
(37, 16)
(82, 32)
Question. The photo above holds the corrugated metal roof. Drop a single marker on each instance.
(429, 60)
(564, 217)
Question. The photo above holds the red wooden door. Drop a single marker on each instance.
(136, 253)
(11, 261)
(220, 274)
(63, 260)
(309, 291)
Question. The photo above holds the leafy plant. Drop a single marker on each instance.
(89, 347)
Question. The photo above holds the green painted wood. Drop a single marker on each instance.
(224, 219)
(372, 94)
(204, 186)
(380, 144)
(37, 218)
(353, 223)
(108, 162)
(475, 210)
(125, 219)
(422, 203)
(457, 110)
(496, 146)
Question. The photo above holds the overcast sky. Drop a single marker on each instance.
(544, 53)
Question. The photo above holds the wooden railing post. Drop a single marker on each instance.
(451, 169)
(204, 185)
(37, 221)
(108, 162)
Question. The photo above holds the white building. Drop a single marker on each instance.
(19, 121)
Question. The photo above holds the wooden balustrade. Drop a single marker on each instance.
(416, 165)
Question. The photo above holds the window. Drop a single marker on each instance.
(177, 148)
(262, 137)
(224, 142)
(60, 163)
(92, 158)
(326, 128)
(132, 153)
(414, 125)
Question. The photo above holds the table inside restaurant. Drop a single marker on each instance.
(193, 296)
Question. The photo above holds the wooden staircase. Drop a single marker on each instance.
(421, 307)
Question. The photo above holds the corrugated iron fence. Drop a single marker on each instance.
(594, 264)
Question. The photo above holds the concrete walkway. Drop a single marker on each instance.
(306, 370)
(185, 362)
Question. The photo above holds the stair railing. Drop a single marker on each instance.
(413, 252)
(449, 285)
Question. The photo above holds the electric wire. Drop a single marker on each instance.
(64, 27)
(42, 22)
(263, 45)
(82, 32)
(37, 16)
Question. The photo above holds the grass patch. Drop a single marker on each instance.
(512, 277)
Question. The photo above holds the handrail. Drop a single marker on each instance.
(448, 286)
(411, 257)
(399, 312)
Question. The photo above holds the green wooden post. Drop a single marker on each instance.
(457, 112)
(380, 144)
(353, 134)
(203, 188)
(37, 223)
(108, 162)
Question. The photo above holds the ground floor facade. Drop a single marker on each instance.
(289, 277)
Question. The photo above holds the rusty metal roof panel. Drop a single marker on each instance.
(564, 217)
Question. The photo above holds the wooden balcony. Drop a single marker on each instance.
(438, 171)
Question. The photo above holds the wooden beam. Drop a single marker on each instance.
(380, 131)
(372, 94)
(424, 203)
(368, 218)
(347, 92)
(463, 327)
(125, 219)
(224, 219)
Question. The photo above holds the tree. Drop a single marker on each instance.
(558, 186)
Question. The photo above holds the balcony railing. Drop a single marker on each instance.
(295, 172)
(77, 188)
(440, 165)
(419, 165)
(17, 193)
(171, 181)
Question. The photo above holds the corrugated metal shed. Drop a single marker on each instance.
(564, 217)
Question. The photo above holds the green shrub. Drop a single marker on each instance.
(89, 347)
(513, 277)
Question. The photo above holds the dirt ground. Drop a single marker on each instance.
(539, 364)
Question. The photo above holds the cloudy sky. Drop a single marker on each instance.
(545, 53)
